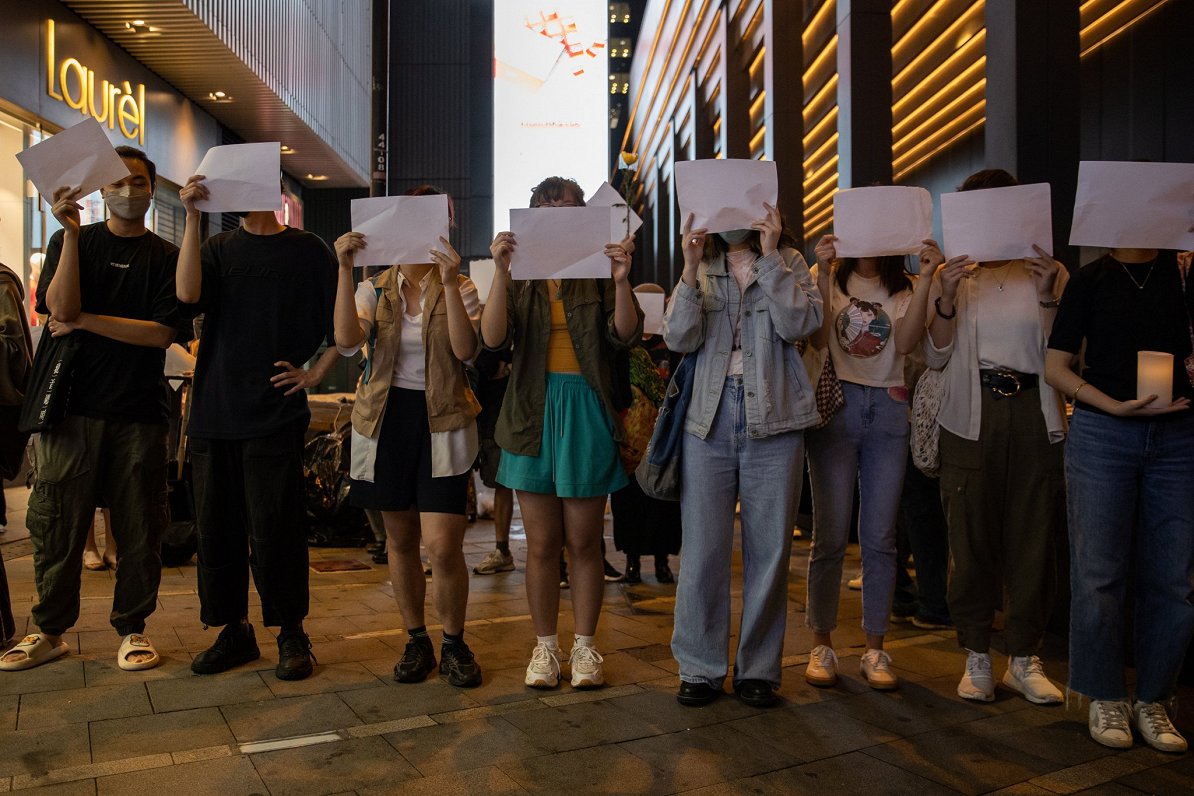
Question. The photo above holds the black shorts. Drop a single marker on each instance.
(402, 473)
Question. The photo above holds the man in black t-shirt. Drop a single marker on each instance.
(112, 285)
(266, 292)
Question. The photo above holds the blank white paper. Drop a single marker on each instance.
(481, 272)
(1134, 205)
(652, 304)
(627, 221)
(79, 156)
(242, 178)
(399, 229)
(725, 194)
(997, 223)
(881, 220)
(561, 242)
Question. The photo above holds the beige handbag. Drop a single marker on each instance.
(925, 438)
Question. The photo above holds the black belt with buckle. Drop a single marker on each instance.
(1007, 383)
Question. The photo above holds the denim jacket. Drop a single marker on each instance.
(780, 305)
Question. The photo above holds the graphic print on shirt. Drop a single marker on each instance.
(863, 328)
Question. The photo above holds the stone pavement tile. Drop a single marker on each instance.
(1025, 789)
(400, 700)
(75, 705)
(107, 672)
(851, 773)
(500, 655)
(286, 718)
(1168, 777)
(623, 669)
(962, 761)
(601, 769)
(333, 767)
(704, 756)
(59, 675)
(811, 732)
(657, 708)
(351, 650)
(447, 748)
(114, 739)
(1053, 736)
(368, 622)
(1006, 701)
(466, 783)
(82, 787)
(41, 751)
(909, 710)
(8, 711)
(499, 686)
(202, 691)
(576, 726)
(325, 679)
(226, 776)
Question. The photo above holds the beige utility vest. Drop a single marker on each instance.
(451, 404)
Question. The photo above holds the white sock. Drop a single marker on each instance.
(552, 641)
(582, 641)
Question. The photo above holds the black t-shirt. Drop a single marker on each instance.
(125, 278)
(265, 299)
(1105, 307)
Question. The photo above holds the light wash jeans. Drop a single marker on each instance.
(1130, 501)
(866, 443)
(718, 471)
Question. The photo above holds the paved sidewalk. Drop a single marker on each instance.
(82, 726)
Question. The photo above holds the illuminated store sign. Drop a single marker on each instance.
(115, 104)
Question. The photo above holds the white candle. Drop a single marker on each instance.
(1154, 376)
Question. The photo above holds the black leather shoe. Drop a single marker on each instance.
(418, 661)
(294, 657)
(458, 666)
(633, 570)
(382, 558)
(756, 693)
(663, 574)
(235, 645)
(693, 695)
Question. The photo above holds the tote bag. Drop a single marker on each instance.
(49, 384)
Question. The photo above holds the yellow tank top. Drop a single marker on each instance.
(561, 356)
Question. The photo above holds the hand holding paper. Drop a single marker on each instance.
(998, 223)
(400, 229)
(80, 157)
(242, 177)
(881, 220)
(725, 194)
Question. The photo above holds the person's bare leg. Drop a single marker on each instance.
(91, 554)
(584, 523)
(406, 567)
(109, 539)
(443, 534)
(543, 517)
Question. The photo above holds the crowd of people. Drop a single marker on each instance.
(562, 366)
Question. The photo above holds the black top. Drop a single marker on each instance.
(265, 299)
(125, 278)
(1103, 305)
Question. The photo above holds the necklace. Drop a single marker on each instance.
(1140, 285)
(1007, 270)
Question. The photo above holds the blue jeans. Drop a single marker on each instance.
(1130, 501)
(716, 472)
(866, 443)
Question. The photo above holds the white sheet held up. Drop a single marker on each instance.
(997, 223)
(1134, 205)
(880, 220)
(725, 194)
(481, 272)
(627, 221)
(399, 229)
(561, 242)
(242, 177)
(80, 157)
(652, 306)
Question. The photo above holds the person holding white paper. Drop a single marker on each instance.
(744, 299)
(874, 316)
(414, 435)
(110, 286)
(1128, 467)
(266, 293)
(1001, 454)
(558, 429)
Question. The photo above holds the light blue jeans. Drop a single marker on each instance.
(764, 474)
(866, 443)
(1130, 496)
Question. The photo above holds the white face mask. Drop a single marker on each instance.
(128, 202)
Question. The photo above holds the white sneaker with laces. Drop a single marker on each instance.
(1155, 727)
(1026, 675)
(544, 669)
(876, 670)
(822, 666)
(495, 561)
(855, 584)
(1110, 722)
(978, 683)
(585, 663)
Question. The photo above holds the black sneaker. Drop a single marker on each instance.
(612, 575)
(294, 657)
(458, 666)
(417, 662)
(235, 645)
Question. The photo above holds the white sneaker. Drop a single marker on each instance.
(876, 669)
(585, 663)
(1110, 722)
(855, 584)
(544, 669)
(978, 683)
(1154, 726)
(496, 561)
(1026, 675)
(822, 666)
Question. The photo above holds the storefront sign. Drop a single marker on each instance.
(116, 104)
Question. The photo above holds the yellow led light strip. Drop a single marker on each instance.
(968, 98)
(960, 61)
(937, 142)
(1087, 33)
(900, 82)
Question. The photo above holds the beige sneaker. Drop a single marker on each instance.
(876, 669)
(544, 669)
(822, 666)
(978, 683)
(1154, 726)
(585, 663)
(1110, 722)
(1026, 675)
(495, 562)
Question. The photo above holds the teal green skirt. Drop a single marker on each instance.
(578, 457)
